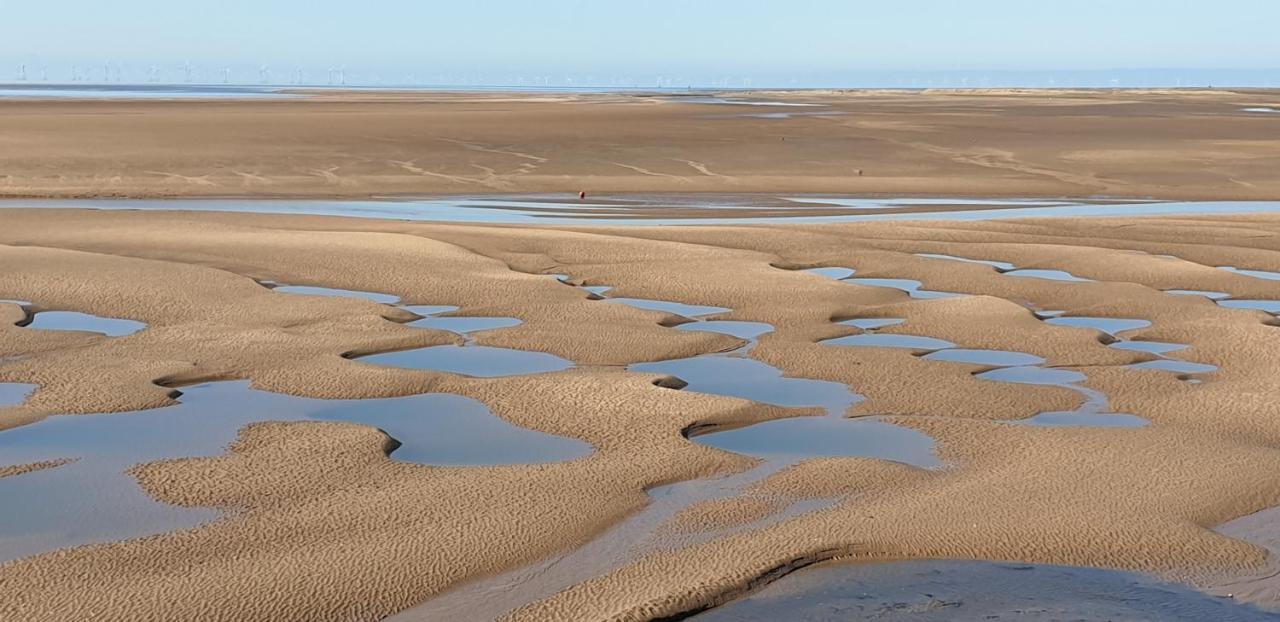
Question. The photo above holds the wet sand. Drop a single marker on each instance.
(973, 591)
(317, 520)
(1169, 144)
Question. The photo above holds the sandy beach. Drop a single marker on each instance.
(318, 523)
(1198, 144)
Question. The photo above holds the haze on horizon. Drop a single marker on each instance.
(658, 43)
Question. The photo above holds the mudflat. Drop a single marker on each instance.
(317, 519)
(1192, 144)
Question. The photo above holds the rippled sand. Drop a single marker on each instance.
(1197, 144)
(319, 523)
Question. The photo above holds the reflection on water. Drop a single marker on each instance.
(971, 591)
(93, 499)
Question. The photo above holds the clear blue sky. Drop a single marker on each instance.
(502, 39)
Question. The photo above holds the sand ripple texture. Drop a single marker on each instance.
(319, 524)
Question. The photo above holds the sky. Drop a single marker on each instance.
(502, 41)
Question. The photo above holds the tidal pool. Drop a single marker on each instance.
(1158, 348)
(1257, 274)
(972, 591)
(1269, 306)
(890, 340)
(471, 360)
(1033, 375)
(467, 360)
(310, 290)
(1009, 269)
(463, 325)
(14, 393)
(1091, 413)
(872, 323)
(733, 328)
(76, 321)
(666, 306)
(1001, 266)
(1049, 275)
(993, 358)
(94, 500)
(910, 286)
(457, 324)
(834, 272)
(1013, 367)
(1198, 292)
(787, 440)
(1176, 366)
(1085, 419)
(1109, 325)
(1115, 326)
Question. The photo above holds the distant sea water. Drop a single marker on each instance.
(906, 80)
(138, 91)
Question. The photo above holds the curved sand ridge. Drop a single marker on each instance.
(325, 526)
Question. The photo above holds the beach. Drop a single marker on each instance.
(1192, 144)
(1022, 424)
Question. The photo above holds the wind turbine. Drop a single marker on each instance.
(264, 74)
(186, 71)
(22, 73)
(226, 75)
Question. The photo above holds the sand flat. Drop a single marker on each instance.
(318, 513)
(1045, 143)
